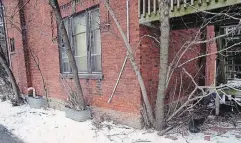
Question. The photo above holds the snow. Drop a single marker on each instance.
(51, 126)
(234, 83)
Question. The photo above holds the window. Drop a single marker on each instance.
(86, 43)
(12, 45)
(232, 56)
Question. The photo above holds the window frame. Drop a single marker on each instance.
(12, 45)
(89, 74)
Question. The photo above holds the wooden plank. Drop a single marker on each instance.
(144, 8)
(239, 65)
(233, 72)
(172, 5)
(192, 2)
(178, 4)
(185, 3)
(154, 6)
(139, 8)
(149, 7)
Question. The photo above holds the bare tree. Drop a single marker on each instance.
(4, 61)
(160, 119)
(17, 99)
(164, 46)
(194, 91)
(37, 64)
(133, 64)
(80, 98)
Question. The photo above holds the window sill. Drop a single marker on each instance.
(97, 76)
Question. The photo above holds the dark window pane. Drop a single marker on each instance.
(12, 44)
(95, 41)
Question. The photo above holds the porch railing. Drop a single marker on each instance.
(149, 9)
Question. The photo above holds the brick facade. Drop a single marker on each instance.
(42, 41)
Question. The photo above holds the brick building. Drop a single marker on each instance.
(99, 52)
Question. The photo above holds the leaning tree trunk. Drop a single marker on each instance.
(165, 29)
(55, 6)
(17, 99)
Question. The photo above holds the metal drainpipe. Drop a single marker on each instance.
(34, 91)
(6, 33)
(127, 21)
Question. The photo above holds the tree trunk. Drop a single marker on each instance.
(55, 6)
(17, 99)
(165, 30)
(221, 79)
(133, 64)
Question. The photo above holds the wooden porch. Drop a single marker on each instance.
(149, 10)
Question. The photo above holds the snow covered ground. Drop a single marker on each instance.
(51, 126)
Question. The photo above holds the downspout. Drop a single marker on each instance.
(25, 42)
(127, 21)
(6, 50)
(6, 33)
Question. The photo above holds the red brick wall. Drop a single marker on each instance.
(211, 64)
(150, 62)
(41, 33)
(14, 31)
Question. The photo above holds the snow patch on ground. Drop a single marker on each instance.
(51, 126)
(234, 83)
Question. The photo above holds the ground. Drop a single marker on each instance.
(7, 137)
(51, 126)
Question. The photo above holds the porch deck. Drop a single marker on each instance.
(148, 9)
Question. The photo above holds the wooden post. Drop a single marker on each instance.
(172, 5)
(149, 7)
(185, 3)
(139, 8)
(221, 78)
(192, 2)
(178, 4)
(154, 6)
(144, 8)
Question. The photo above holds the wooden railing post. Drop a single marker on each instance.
(139, 8)
(144, 7)
(154, 6)
(149, 7)
(192, 2)
(172, 5)
(178, 4)
(185, 3)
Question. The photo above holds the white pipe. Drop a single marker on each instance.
(124, 63)
(127, 21)
(34, 93)
(6, 35)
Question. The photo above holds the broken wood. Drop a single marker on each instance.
(117, 82)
